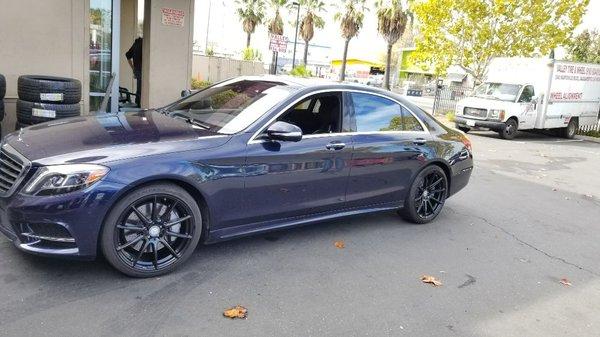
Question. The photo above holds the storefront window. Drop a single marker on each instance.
(100, 50)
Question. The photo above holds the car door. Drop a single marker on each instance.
(390, 144)
(287, 179)
(527, 108)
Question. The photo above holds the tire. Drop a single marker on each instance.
(1, 109)
(2, 86)
(570, 131)
(420, 207)
(156, 259)
(510, 130)
(31, 88)
(463, 129)
(25, 111)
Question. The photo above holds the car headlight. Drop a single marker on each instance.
(496, 114)
(59, 179)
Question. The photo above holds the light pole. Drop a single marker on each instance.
(296, 36)
(207, 26)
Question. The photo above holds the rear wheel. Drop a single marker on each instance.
(152, 231)
(426, 196)
(571, 130)
(510, 130)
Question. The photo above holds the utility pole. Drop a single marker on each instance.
(296, 36)
(207, 26)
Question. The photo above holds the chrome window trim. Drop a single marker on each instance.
(253, 139)
(26, 167)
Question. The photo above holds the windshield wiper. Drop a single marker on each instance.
(190, 120)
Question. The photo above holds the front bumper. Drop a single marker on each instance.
(496, 126)
(65, 225)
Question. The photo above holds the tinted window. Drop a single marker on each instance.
(230, 107)
(527, 94)
(375, 113)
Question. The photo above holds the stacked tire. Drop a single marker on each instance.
(2, 93)
(46, 98)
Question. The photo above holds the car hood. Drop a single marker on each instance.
(478, 102)
(109, 137)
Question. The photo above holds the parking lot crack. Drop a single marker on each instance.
(525, 243)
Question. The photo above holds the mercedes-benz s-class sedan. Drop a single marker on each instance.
(242, 157)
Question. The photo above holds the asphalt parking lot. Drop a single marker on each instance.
(529, 218)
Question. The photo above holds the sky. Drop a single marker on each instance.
(225, 31)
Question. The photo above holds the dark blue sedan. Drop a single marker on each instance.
(242, 157)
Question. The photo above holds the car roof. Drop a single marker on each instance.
(300, 83)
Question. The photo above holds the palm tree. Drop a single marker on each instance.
(276, 24)
(350, 16)
(252, 13)
(310, 21)
(391, 23)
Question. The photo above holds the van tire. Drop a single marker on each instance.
(510, 129)
(571, 130)
(2, 87)
(463, 129)
(30, 88)
(25, 111)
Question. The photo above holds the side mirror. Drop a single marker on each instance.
(285, 132)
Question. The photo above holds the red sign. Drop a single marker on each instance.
(278, 43)
(172, 17)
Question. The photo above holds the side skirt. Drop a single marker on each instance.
(263, 227)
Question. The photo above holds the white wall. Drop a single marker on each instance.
(167, 56)
(215, 69)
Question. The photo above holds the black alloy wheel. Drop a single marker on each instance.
(427, 196)
(152, 231)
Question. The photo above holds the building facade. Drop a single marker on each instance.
(87, 40)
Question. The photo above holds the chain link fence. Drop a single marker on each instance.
(446, 97)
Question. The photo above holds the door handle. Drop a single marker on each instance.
(419, 141)
(335, 146)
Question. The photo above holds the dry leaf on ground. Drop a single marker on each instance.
(431, 280)
(236, 312)
(339, 244)
(566, 282)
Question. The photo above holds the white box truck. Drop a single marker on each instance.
(533, 93)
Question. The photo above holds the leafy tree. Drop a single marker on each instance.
(276, 22)
(469, 33)
(252, 14)
(350, 16)
(585, 47)
(391, 23)
(310, 21)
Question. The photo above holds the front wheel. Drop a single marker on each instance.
(426, 196)
(152, 230)
(510, 129)
(463, 129)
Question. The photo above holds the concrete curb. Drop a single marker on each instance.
(588, 139)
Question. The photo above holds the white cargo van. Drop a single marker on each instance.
(533, 93)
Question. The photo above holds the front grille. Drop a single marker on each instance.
(475, 112)
(12, 168)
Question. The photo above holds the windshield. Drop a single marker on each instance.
(229, 107)
(499, 91)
